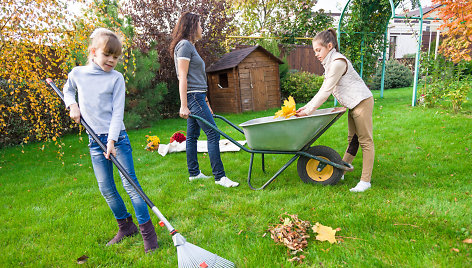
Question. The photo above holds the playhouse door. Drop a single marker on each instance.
(259, 92)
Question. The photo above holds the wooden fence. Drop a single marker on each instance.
(302, 58)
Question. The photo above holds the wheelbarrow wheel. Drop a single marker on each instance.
(308, 168)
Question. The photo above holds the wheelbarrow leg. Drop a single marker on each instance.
(263, 164)
(273, 177)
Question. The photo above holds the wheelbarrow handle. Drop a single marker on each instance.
(221, 132)
(228, 122)
(117, 164)
(343, 166)
(349, 167)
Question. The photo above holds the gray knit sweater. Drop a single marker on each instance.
(101, 98)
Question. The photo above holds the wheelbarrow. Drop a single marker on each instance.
(268, 135)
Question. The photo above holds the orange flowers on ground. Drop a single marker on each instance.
(288, 109)
(152, 143)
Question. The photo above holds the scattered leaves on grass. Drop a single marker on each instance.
(325, 233)
(297, 259)
(455, 249)
(292, 232)
(468, 241)
(82, 259)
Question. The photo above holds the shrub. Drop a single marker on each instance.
(466, 67)
(144, 93)
(444, 81)
(396, 76)
(18, 126)
(302, 86)
(431, 94)
(453, 91)
(457, 92)
(436, 68)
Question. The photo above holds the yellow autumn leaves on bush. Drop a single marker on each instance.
(288, 109)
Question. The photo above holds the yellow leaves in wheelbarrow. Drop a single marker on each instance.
(288, 109)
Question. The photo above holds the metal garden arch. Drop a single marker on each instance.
(392, 15)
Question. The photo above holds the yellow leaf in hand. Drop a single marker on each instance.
(325, 233)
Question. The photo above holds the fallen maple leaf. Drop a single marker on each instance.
(288, 109)
(325, 233)
(82, 259)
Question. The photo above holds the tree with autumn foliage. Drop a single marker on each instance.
(457, 19)
(41, 39)
(36, 40)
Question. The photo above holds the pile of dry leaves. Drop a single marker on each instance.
(293, 233)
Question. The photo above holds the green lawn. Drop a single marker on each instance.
(417, 213)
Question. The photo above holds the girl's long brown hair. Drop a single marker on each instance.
(186, 28)
(326, 37)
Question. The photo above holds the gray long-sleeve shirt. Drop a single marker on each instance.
(101, 98)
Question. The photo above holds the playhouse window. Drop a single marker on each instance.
(223, 80)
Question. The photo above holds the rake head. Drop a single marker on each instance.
(191, 256)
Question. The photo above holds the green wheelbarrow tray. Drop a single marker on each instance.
(269, 135)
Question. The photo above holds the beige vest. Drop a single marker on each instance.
(351, 89)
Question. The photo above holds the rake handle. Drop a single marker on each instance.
(117, 164)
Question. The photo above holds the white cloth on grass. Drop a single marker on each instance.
(202, 147)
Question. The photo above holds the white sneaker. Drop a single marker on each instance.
(224, 181)
(342, 178)
(199, 176)
(361, 187)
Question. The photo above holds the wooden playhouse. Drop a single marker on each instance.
(244, 80)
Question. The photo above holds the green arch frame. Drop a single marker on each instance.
(392, 16)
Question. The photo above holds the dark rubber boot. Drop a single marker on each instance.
(149, 236)
(126, 228)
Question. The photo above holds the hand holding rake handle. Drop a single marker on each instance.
(190, 255)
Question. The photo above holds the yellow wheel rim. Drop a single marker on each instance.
(316, 175)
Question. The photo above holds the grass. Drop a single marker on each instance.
(416, 215)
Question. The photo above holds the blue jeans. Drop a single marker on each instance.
(197, 106)
(103, 169)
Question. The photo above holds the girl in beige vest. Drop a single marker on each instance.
(349, 89)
